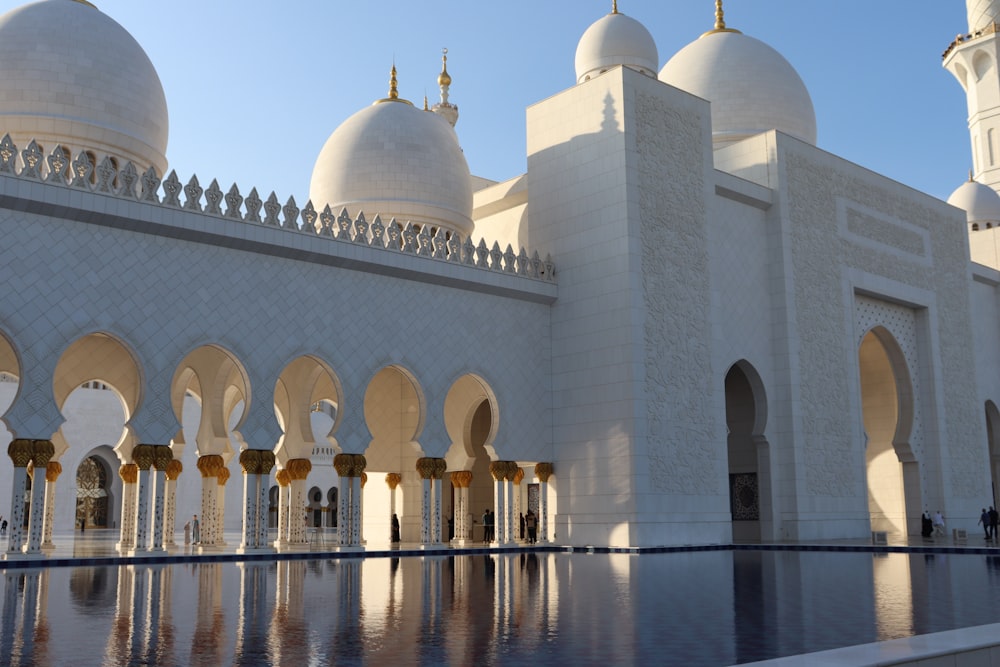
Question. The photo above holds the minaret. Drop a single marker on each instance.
(972, 58)
(444, 108)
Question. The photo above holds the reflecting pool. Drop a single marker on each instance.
(692, 608)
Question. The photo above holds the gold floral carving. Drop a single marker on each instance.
(282, 477)
(298, 469)
(142, 456)
(461, 479)
(210, 465)
(223, 476)
(162, 456)
(20, 452)
(426, 467)
(174, 469)
(358, 464)
(393, 479)
(498, 469)
(543, 471)
(129, 473)
(266, 461)
(250, 461)
(440, 468)
(52, 471)
(343, 463)
(42, 452)
(518, 475)
(364, 479)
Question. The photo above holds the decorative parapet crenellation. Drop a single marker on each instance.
(106, 177)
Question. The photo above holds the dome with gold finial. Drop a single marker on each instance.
(397, 161)
(71, 76)
(752, 87)
(612, 41)
(445, 108)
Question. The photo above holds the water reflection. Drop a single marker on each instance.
(698, 608)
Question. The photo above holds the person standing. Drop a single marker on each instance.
(984, 519)
(195, 530)
(395, 529)
(938, 523)
(994, 520)
(531, 522)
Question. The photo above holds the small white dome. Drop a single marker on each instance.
(982, 13)
(396, 161)
(71, 75)
(751, 86)
(980, 202)
(615, 40)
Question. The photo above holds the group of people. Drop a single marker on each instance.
(192, 529)
(529, 523)
(989, 520)
(489, 525)
(932, 526)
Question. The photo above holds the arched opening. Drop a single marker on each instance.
(272, 506)
(470, 412)
(93, 494)
(993, 442)
(748, 455)
(892, 471)
(315, 508)
(331, 504)
(394, 411)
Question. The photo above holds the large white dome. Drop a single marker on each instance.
(980, 202)
(71, 75)
(615, 40)
(396, 161)
(751, 86)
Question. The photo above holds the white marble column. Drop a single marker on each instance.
(250, 463)
(20, 454)
(129, 474)
(220, 507)
(211, 466)
(500, 518)
(425, 511)
(298, 473)
(438, 517)
(142, 456)
(356, 509)
(393, 479)
(284, 498)
(174, 470)
(159, 496)
(42, 453)
(263, 504)
(511, 520)
(52, 472)
(543, 471)
(516, 509)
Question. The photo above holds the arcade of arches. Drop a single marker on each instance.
(146, 491)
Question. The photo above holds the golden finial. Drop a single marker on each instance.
(720, 20)
(393, 89)
(614, 6)
(426, 108)
(444, 79)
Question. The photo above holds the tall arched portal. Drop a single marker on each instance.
(893, 473)
(93, 494)
(747, 449)
(993, 440)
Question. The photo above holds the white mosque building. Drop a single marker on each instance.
(684, 324)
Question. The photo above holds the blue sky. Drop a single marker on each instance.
(255, 88)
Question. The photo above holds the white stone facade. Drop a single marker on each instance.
(650, 338)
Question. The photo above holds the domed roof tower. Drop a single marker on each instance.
(615, 40)
(71, 76)
(396, 161)
(980, 202)
(751, 86)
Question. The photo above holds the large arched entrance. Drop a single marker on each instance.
(993, 441)
(93, 493)
(891, 467)
(747, 449)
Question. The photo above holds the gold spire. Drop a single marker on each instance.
(393, 90)
(614, 6)
(444, 79)
(426, 108)
(720, 21)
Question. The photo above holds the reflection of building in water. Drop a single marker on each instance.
(684, 323)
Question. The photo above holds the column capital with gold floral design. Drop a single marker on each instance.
(543, 471)
(393, 479)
